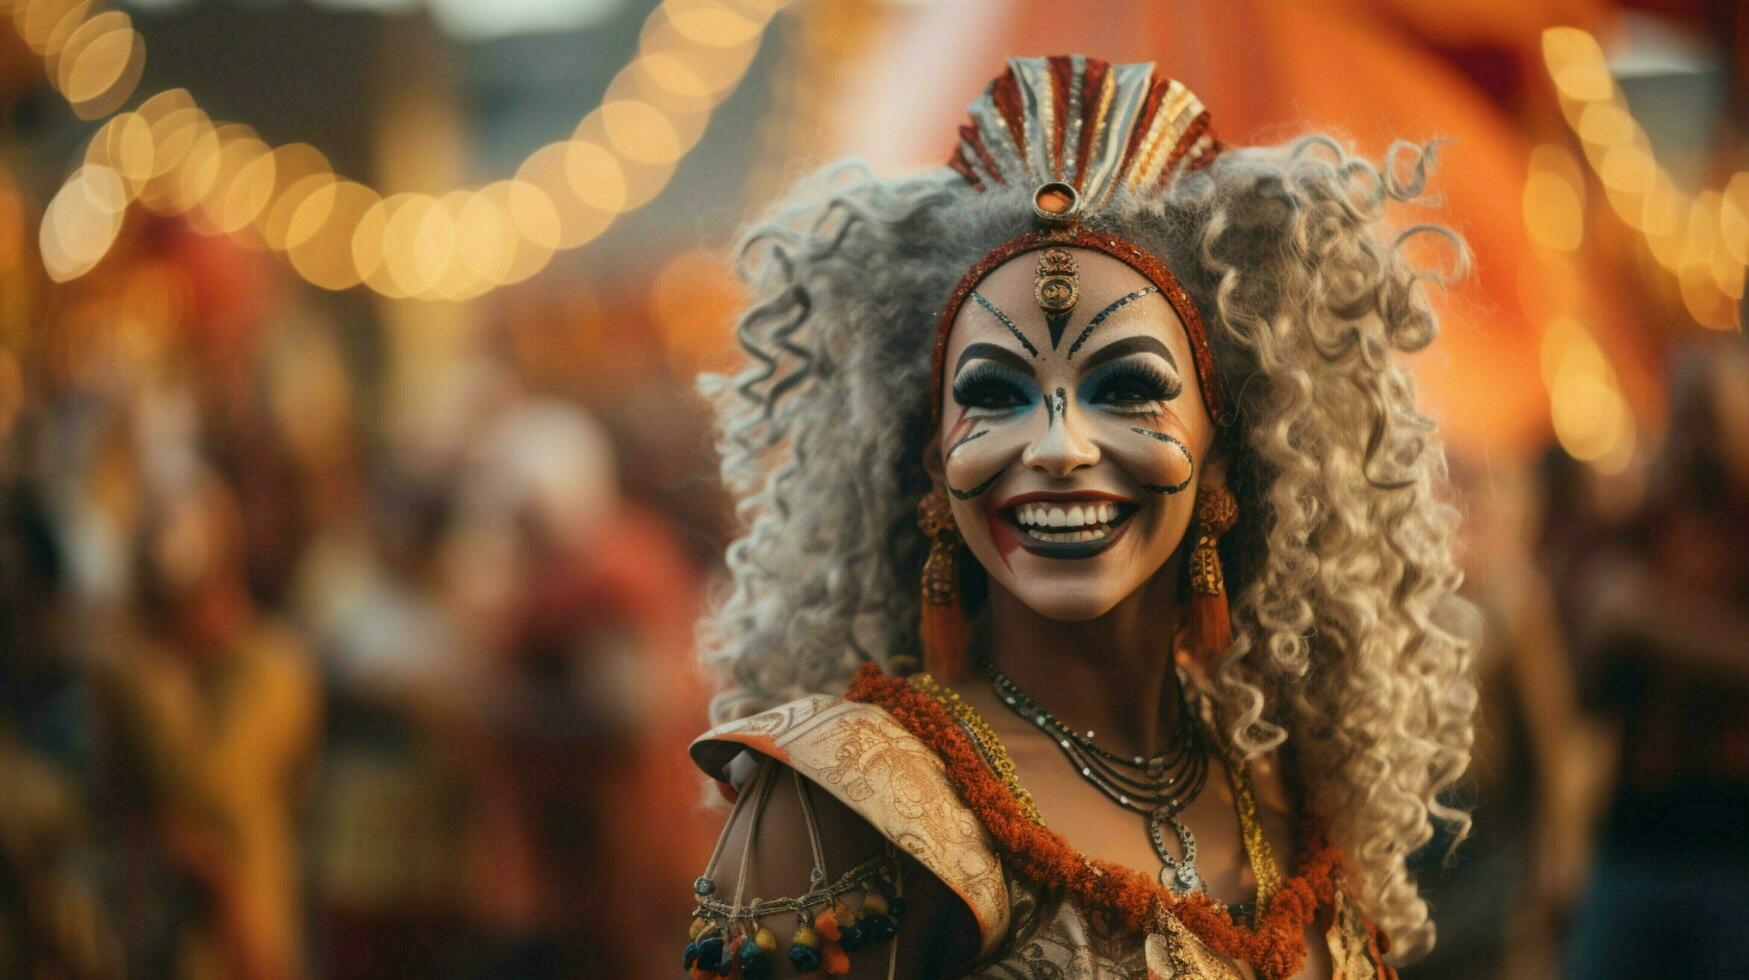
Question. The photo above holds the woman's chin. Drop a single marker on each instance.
(1069, 604)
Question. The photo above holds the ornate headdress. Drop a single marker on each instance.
(1076, 130)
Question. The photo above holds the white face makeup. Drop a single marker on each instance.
(1072, 456)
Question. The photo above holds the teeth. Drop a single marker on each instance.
(1080, 515)
(1059, 537)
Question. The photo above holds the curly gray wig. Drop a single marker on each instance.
(1346, 622)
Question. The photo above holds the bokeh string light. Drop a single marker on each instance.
(1700, 239)
(170, 157)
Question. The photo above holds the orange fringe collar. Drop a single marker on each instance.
(1275, 948)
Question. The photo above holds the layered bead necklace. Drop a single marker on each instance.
(1156, 787)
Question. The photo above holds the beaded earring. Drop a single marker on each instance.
(1211, 625)
(943, 627)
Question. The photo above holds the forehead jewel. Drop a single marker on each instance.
(1087, 126)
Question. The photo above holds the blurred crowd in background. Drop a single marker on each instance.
(353, 525)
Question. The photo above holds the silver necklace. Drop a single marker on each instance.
(1158, 787)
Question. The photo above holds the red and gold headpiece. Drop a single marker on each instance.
(1076, 130)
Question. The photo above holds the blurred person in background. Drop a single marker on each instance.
(54, 920)
(1664, 653)
(924, 464)
(212, 709)
(1503, 899)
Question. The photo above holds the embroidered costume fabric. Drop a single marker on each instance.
(896, 781)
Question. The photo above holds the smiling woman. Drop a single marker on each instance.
(1026, 423)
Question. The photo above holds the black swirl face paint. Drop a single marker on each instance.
(1190, 463)
(975, 491)
(965, 439)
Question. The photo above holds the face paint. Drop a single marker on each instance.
(1070, 511)
(1189, 463)
(1114, 306)
(1002, 318)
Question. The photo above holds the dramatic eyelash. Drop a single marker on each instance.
(984, 381)
(1156, 384)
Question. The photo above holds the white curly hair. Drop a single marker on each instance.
(1348, 633)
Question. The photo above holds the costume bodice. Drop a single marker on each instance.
(876, 762)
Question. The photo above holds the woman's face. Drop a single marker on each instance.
(1072, 456)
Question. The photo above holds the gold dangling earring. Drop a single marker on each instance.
(1211, 624)
(942, 623)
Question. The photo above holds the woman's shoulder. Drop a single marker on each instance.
(863, 765)
(835, 815)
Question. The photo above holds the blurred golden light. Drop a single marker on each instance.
(1734, 218)
(437, 251)
(367, 247)
(124, 144)
(535, 221)
(1607, 124)
(1589, 415)
(665, 73)
(1710, 307)
(639, 180)
(324, 255)
(161, 106)
(248, 188)
(173, 136)
(73, 34)
(595, 176)
(100, 66)
(294, 164)
(282, 230)
(711, 23)
(200, 168)
(678, 123)
(1662, 219)
(1554, 208)
(173, 158)
(550, 171)
(81, 222)
(486, 237)
(641, 132)
(312, 211)
(48, 25)
(1628, 167)
(34, 19)
(717, 68)
(1565, 339)
(1576, 64)
(406, 219)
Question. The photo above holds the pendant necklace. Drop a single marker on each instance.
(1156, 787)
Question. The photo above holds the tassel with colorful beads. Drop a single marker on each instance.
(804, 950)
(756, 955)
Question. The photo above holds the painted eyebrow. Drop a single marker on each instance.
(1141, 344)
(1115, 305)
(992, 352)
(998, 314)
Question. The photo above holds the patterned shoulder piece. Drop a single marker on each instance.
(890, 778)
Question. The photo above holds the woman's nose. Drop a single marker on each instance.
(1064, 447)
